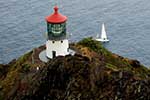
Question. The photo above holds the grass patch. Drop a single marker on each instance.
(93, 45)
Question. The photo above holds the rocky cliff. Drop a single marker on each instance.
(93, 73)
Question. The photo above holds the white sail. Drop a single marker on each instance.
(103, 32)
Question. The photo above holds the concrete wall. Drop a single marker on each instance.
(61, 47)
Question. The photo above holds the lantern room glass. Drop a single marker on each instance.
(56, 31)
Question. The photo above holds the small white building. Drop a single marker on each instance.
(57, 43)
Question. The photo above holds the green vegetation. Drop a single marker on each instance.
(97, 47)
(114, 61)
(93, 73)
(13, 74)
(93, 45)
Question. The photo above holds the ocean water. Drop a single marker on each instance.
(22, 25)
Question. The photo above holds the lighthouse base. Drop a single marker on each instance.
(57, 48)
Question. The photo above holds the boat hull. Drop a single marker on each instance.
(102, 40)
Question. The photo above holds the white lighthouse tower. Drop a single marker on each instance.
(57, 43)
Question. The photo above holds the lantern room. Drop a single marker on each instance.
(56, 25)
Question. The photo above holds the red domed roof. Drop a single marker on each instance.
(56, 17)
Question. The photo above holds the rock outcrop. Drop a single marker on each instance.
(93, 73)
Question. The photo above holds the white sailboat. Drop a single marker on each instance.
(103, 37)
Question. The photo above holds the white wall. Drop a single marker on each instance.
(60, 48)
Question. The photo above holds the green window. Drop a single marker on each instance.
(57, 29)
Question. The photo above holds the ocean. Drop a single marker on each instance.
(127, 22)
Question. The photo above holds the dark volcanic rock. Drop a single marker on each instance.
(135, 63)
(92, 74)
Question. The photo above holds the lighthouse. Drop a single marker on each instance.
(57, 43)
